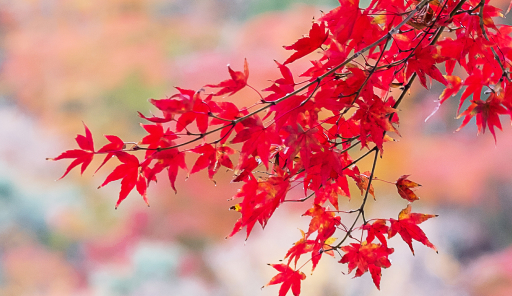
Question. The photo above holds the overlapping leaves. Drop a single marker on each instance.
(363, 64)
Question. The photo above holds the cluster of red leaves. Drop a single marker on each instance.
(348, 98)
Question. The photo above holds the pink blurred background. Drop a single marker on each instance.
(64, 62)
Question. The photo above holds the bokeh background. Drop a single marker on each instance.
(67, 61)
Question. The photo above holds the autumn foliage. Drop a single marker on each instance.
(305, 128)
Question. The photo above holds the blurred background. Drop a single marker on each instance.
(67, 61)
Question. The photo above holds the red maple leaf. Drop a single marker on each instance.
(176, 104)
(362, 181)
(299, 140)
(320, 247)
(341, 20)
(170, 159)
(237, 82)
(374, 121)
(331, 191)
(423, 63)
(260, 200)
(475, 82)
(257, 140)
(453, 87)
(199, 113)
(288, 278)
(226, 112)
(289, 110)
(82, 156)
(407, 227)
(306, 45)
(157, 138)
(323, 221)
(281, 86)
(116, 145)
(129, 172)
(366, 256)
(300, 247)
(377, 230)
(324, 166)
(212, 158)
(404, 188)
(244, 172)
(487, 114)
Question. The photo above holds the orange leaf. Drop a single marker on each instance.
(404, 188)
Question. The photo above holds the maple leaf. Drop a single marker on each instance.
(300, 247)
(237, 82)
(260, 200)
(289, 110)
(176, 104)
(327, 165)
(212, 158)
(407, 227)
(257, 140)
(319, 247)
(487, 114)
(128, 171)
(244, 171)
(226, 113)
(303, 141)
(377, 230)
(281, 86)
(475, 82)
(362, 181)
(450, 51)
(366, 31)
(453, 87)
(341, 20)
(306, 45)
(248, 219)
(199, 113)
(288, 278)
(374, 121)
(328, 98)
(359, 82)
(367, 256)
(423, 63)
(331, 191)
(225, 110)
(82, 156)
(404, 188)
(323, 221)
(346, 129)
(489, 12)
(157, 138)
(172, 159)
(116, 145)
